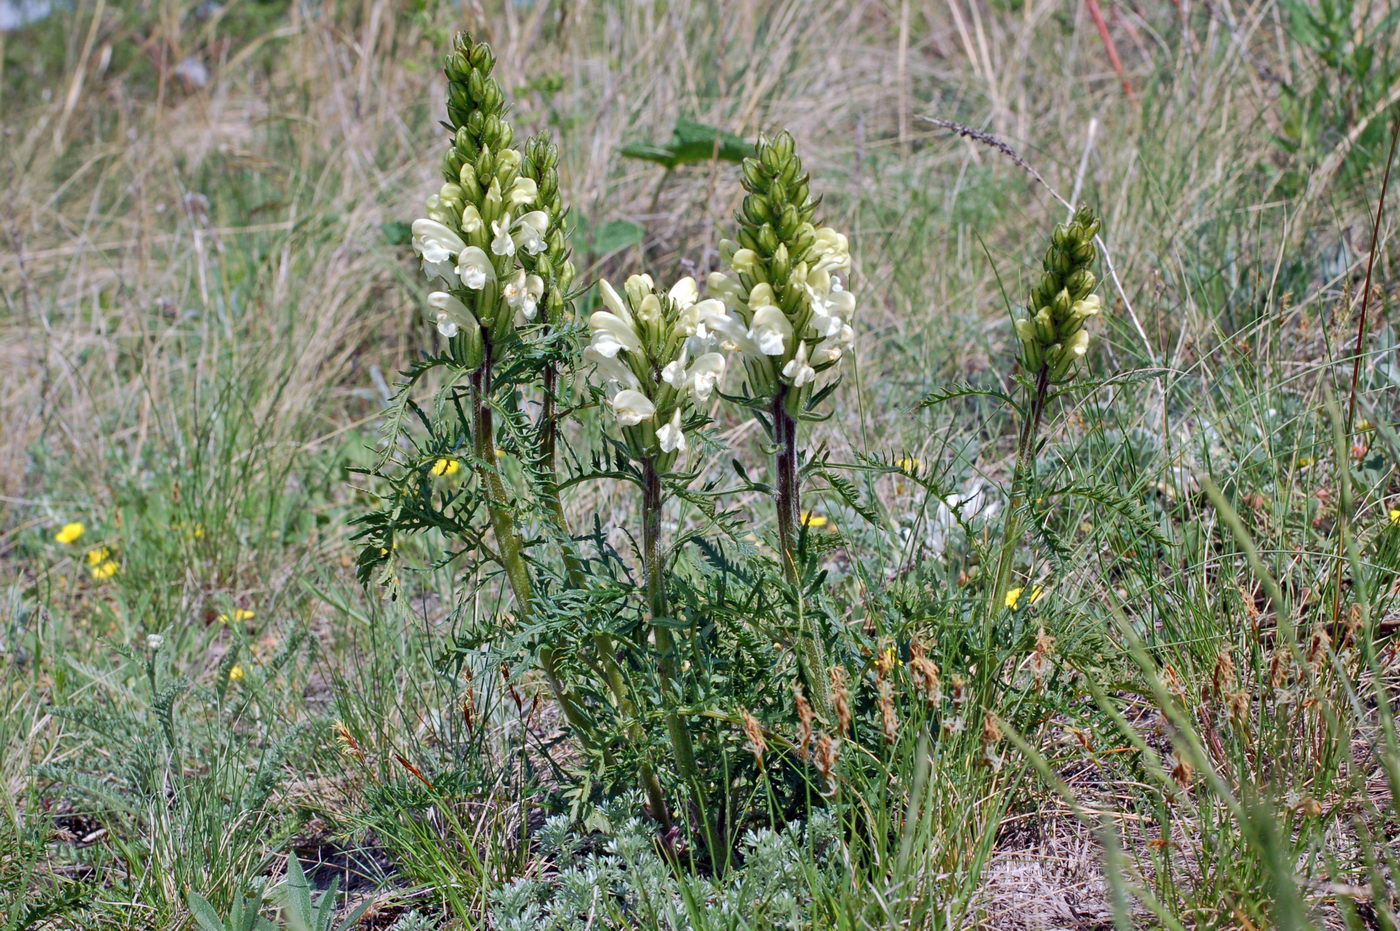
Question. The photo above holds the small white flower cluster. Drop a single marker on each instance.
(655, 354)
(464, 253)
(802, 324)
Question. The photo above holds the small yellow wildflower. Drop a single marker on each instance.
(813, 520)
(105, 570)
(446, 467)
(98, 555)
(239, 614)
(1013, 597)
(1304, 462)
(1395, 515)
(907, 465)
(500, 452)
(235, 673)
(69, 533)
(1365, 426)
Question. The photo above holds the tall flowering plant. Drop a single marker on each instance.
(790, 311)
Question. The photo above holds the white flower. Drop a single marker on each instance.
(449, 314)
(797, 371)
(612, 329)
(699, 378)
(438, 247)
(522, 192)
(611, 369)
(726, 289)
(674, 372)
(831, 306)
(631, 407)
(501, 241)
(611, 333)
(526, 233)
(698, 319)
(614, 302)
(522, 294)
(770, 330)
(704, 374)
(474, 268)
(154, 642)
(831, 250)
(529, 232)
(684, 292)
(733, 335)
(670, 436)
(471, 220)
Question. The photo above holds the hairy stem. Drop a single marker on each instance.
(811, 655)
(509, 550)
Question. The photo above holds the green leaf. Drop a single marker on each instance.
(616, 235)
(962, 390)
(397, 233)
(690, 143)
(204, 913)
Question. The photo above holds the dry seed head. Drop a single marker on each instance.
(1039, 662)
(754, 731)
(1171, 681)
(1222, 678)
(924, 672)
(841, 699)
(991, 742)
(1182, 771)
(346, 740)
(1318, 646)
(1237, 703)
(888, 721)
(959, 690)
(804, 719)
(828, 752)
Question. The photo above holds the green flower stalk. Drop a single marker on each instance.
(556, 272)
(654, 353)
(790, 318)
(479, 246)
(1053, 339)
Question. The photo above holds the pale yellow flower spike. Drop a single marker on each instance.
(444, 468)
(69, 533)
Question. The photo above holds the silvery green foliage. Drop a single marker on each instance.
(415, 921)
(625, 883)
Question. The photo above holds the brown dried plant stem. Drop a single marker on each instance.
(653, 570)
(1011, 527)
(811, 656)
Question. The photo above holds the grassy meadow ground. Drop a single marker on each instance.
(207, 295)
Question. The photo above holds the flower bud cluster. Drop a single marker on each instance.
(654, 352)
(552, 264)
(484, 231)
(1052, 332)
(789, 310)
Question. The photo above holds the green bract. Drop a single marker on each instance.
(1052, 333)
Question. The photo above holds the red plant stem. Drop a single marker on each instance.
(1110, 48)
